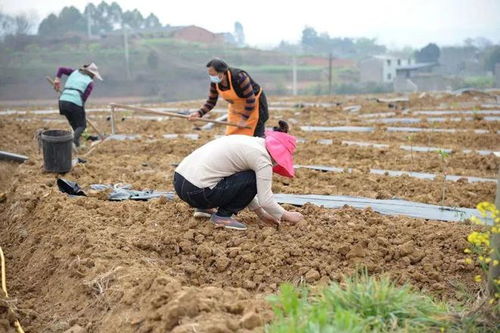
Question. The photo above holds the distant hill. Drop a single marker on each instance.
(161, 68)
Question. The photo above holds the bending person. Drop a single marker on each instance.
(234, 172)
(77, 89)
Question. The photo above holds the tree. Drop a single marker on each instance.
(429, 53)
(89, 13)
(72, 20)
(368, 47)
(239, 34)
(7, 25)
(23, 24)
(491, 58)
(341, 47)
(152, 22)
(102, 18)
(20, 24)
(133, 19)
(478, 42)
(48, 26)
(309, 37)
(115, 18)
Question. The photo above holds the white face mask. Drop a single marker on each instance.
(215, 79)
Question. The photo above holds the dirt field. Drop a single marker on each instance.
(99, 266)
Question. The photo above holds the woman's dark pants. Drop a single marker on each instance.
(231, 195)
(76, 118)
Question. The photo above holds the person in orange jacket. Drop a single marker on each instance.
(246, 98)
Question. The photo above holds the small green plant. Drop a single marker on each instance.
(360, 304)
(443, 155)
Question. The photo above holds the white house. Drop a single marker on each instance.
(382, 68)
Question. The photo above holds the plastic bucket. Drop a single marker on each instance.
(57, 150)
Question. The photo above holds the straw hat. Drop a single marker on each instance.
(92, 68)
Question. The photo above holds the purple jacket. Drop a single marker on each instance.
(67, 71)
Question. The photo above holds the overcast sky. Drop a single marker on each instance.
(396, 23)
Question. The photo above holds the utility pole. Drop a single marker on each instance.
(330, 59)
(294, 76)
(125, 44)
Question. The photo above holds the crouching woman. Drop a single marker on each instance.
(235, 172)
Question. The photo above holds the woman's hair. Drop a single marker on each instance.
(85, 71)
(282, 127)
(218, 64)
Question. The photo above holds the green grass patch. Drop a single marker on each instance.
(361, 304)
(479, 82)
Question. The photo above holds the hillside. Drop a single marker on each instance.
(160, 68)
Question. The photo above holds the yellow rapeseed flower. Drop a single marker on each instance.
(468, 261)
(467, 251)
(477, 278)
(472, 238)
(479, 238)
(486, 207)
(487, 260)
(495, 262)
(476, 220)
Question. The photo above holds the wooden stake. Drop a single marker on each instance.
(52, 83)
(101, 136)
(173, 114)
(113, 126)
(92, 149)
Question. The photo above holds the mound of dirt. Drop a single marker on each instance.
(84, 264)
(150, 267)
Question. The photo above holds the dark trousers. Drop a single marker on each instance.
(263, 116)
(76, 118)
(231, 195)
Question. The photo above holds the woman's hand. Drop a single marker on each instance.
(242, 123)
(57, 84)
(293, 217)
(266, 218)
(194, 115)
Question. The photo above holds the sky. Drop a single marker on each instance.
(395, 23)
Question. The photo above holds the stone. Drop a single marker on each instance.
(250, 321)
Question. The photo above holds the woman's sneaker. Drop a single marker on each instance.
(227, 222)
(203, 213)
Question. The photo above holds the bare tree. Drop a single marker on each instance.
(23, 23)
(7, 25)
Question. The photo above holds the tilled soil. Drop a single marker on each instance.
(150, 267)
